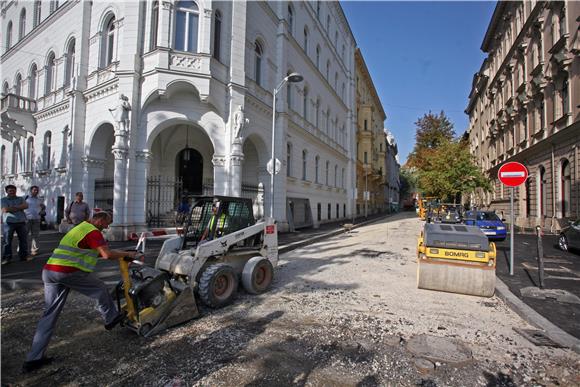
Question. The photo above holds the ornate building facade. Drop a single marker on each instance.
(524, 106)
(137, 103)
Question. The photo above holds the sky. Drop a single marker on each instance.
(422, 57)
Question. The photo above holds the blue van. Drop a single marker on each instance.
(488, 222)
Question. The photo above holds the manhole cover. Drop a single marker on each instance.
(537, 337)
(439, 349)
(556, 294)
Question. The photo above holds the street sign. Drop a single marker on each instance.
(269, 167)
(512, 174)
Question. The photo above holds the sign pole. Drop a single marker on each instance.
(512, 231)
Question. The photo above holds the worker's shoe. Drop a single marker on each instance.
(33, 365)
(120, 317)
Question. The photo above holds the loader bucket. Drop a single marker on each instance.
(182, 309)
(456, 277)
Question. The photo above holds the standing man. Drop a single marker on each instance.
(14, 220)
(35, 206)
(78, 211)
(217, 226)
(71, 267)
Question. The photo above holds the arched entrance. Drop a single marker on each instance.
(189, 163)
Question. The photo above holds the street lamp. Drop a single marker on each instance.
(292, 78)
(366, 194)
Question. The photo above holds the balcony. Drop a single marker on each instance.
(17, 116)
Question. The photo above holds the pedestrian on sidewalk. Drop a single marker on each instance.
(71, 267)
(14, 220)
(78, 211)
(33, 216)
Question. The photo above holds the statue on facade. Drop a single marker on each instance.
(240, 122)
(121, 113)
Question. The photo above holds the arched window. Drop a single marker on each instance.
(318, 57)
(5, 89)
(304, 163)
(542, 191)
(328, 71)
(154, 25)
(316, 169)
(290, 19)
(328, 122)
(318, 9)
(46, 150)
(328, 23)
(32, 82)
(70, 63)
(327, 170)
(305, 104)
(289, 159)
(37, 13)
(17, 84)
(336, 81)
(108, 42)
(258, 52)
(22, 25)
(306, 40)
(217, 35)
(566, 184)
(29, 154)
(16, 157)
(3, 160)
(9, 35)
(317, 118)
(564, 96)
(186, 26)
(336, 40)
(49, 74)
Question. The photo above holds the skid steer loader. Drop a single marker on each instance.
(207, 263)
(456, 258)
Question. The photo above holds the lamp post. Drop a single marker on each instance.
(366, 194)
(293, 78)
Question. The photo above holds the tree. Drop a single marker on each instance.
(450, 171)
(432, 131)
(409, 181)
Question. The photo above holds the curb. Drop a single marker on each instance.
(554, 333)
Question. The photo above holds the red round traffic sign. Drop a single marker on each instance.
(512, 174)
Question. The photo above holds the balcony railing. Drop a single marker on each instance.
(14, 101)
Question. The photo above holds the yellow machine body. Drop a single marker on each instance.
(456, 259)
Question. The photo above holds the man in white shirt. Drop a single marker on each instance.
(35, 206)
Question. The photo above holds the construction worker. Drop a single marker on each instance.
(71, 267)
(216, 226)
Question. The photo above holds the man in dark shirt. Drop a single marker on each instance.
(78, 211)
(14, 220)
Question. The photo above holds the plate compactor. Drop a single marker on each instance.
(235, 248)
(457, 259)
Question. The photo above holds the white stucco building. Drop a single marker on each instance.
(185, 68)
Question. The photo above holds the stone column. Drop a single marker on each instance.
(120, 151)
(164, 32)
(139, 191)
(236, 161)
(220, 175)
(92, 168)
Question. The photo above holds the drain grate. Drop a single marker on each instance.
(537, 337)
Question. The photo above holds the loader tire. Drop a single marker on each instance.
(257, 275)
(218, 285)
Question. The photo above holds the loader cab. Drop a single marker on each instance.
(232, 214)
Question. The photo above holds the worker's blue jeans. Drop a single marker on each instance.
(22, 233)
(56, 288)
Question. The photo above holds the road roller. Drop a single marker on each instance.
(456, 258)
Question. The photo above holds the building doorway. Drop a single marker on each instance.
(190, 171)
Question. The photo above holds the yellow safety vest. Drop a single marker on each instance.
(220, 223)
(69, 254)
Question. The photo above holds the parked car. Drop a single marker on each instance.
(488, 222)
(570, 236)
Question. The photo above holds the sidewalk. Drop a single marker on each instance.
(559, 303)
(26, 275)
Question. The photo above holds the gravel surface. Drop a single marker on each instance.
(341, 312)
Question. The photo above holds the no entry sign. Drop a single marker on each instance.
(512, 174)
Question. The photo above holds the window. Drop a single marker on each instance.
(288, 159)
(217, 35)
(336, 81)
(542, 191)
(154, 25)
(29, 154)
(258, 65)
(49, 74)
(318, 206)
(37, 13)
(305, 104)
(327, 70)
(5, 88)
(336, 40)
(290, 19)
(366, 158)
(3, 160)
(53, 5)
(327, 168)
(318, 57)
(336, 175)
(318, 15)
(17, 84)
(342, 178)
(70, 64)
(22, 26)
(32, 82)
(566, 185)
(16, 157)
(328, 23)
(304, 163)
(186, 26)
(337, 211)
(46, 151)
(564, 96)
(328, 122)
(328, 212)
(562, 21)
(306, 40)
(342, 91)
(9, 35)
(317, 118)
(366, 125)
(316, 169)
(108, 42)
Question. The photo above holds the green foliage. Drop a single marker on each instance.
(409, 181)
(432, 131)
